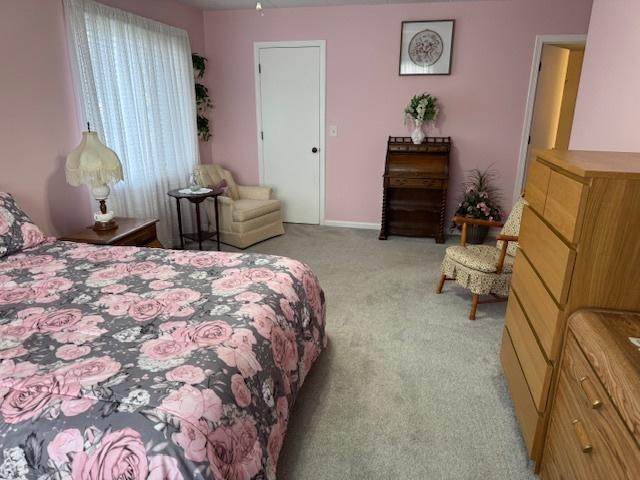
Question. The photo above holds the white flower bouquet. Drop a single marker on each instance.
(422, 109)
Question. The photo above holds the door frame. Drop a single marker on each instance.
(531, 98)
(321, 44)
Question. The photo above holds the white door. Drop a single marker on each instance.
(548, 100)
(289, 103)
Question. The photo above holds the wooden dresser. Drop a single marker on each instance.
(594, 432)
(415, 187)
(579, 247)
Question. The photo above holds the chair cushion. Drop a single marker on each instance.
(512, 226)
(208, 174)
(246, 209)
(232, 188)
(479, 257)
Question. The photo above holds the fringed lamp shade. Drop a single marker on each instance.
(92, 163)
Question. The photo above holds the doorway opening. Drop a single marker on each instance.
(553, 89)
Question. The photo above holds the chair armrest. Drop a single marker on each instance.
(476, 221)
(503, 250)
(254, 192)
(507, 238)
(464, 221)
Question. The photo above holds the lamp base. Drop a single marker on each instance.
(105, 226)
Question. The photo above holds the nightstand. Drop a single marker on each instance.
(131, 231)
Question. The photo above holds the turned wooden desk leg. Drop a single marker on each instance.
(474, 306)
(443, 278)
(180, 224)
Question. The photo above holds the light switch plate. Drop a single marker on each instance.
(333, 131)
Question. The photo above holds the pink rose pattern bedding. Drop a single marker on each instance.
(132, 363)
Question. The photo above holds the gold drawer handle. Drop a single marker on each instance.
(583, 438)
(590, 392)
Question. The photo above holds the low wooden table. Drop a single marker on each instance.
(138, 232)
(197, 199)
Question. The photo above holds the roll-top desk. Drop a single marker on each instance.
(579, 248)
(415, 187)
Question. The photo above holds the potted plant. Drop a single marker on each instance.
(422, 109)
(480, 200)
(203, 102)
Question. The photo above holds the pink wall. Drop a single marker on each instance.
(37, 114)
(38, 125)
(482, 101)
(606, 116)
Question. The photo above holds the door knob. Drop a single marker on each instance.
(314, 149)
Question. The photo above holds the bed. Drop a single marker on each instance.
(135, 363)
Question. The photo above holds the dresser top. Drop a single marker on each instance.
(611, 342)
(594, 164)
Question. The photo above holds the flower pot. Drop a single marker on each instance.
(476, 234)
(417, 135)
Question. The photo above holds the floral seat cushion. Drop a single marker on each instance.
(483, 258)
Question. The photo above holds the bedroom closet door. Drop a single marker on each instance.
(290, 110)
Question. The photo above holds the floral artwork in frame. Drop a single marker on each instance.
(425, 47)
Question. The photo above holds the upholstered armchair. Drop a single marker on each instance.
(483, 269)
(248, 215)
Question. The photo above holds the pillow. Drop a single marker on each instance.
(17, 231)
(232, 188)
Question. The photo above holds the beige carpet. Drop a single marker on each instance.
(409, 388)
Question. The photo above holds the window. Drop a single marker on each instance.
(135, 83)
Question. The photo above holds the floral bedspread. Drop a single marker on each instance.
(134, 363)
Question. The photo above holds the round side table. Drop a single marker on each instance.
(197, 198)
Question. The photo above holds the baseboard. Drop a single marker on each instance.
(346, 224)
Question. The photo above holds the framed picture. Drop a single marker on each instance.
(425, 47)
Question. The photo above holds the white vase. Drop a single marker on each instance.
(417, 135)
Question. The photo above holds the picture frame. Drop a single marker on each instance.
(426, 47)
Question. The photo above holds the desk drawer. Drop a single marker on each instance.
(537, 184)
(576, 425)
(564, 206)
(415, 182)
(534, 365)
(528, 417)
(551, 257)
(543, 313)
(141, 238)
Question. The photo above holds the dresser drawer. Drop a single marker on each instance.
(528, 418)
(564, 206)
(537, 183)
(586, 442)
(534, 365)
(415, 182)
(541, 310)
(551, 256)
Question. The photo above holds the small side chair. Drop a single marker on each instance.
(483, 269)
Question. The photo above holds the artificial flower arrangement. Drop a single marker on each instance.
(480, 200)
(422, 109)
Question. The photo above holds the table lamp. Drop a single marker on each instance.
(93, 164)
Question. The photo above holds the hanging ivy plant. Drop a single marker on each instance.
(203, 101)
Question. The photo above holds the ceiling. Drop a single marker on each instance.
(243, 4)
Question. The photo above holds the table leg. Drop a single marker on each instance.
(199, 228)
(180, 224)
(215, 203)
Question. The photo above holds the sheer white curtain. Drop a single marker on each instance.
(135, 80)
